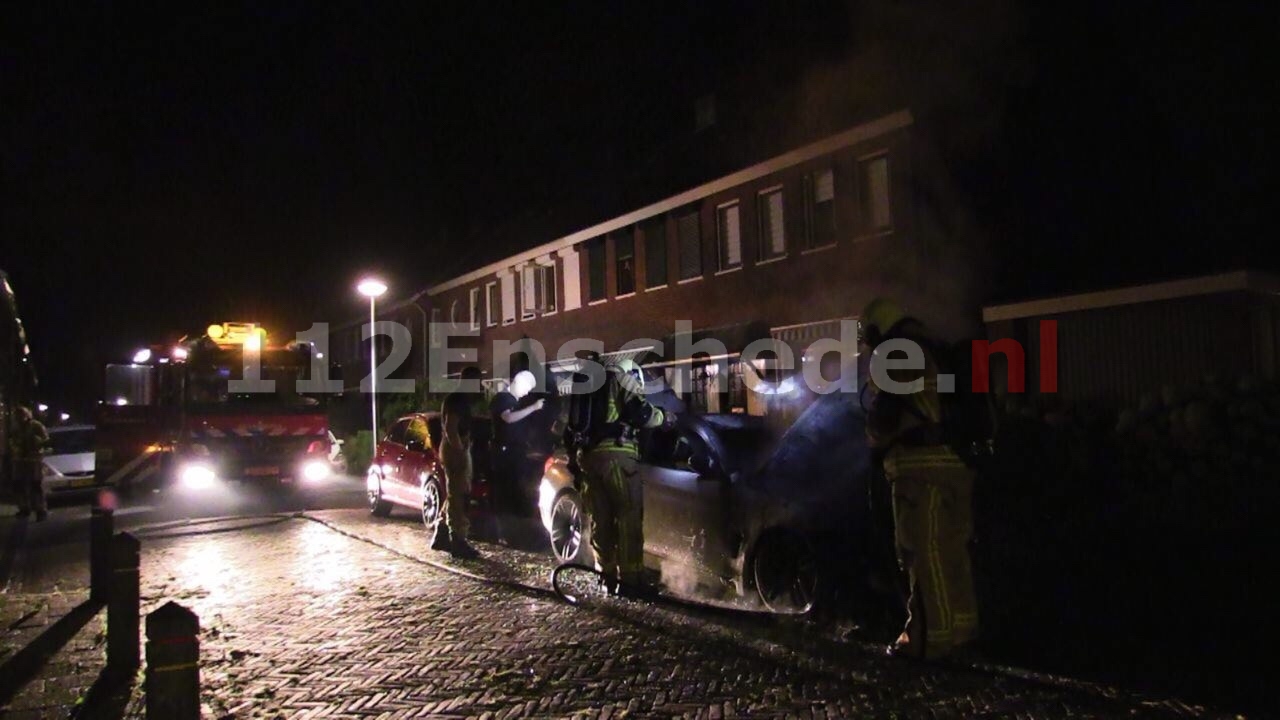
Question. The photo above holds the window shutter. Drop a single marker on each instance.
(730, 238)
(824, 186)
(572, 280)
(690, 246)
(508, 298)
(529, 291)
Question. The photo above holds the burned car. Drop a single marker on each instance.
(732, 513)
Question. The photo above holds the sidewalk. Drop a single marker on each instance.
(56, 639)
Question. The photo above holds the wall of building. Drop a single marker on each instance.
(1113, 356)
(908, 260)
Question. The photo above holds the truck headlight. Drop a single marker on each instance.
(315, 470)
(197, 476)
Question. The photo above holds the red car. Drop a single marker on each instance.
(406, 472)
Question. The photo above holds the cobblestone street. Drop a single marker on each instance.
(334, 615)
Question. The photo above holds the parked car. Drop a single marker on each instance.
(731, 511)
(406, 472)
(69, 460)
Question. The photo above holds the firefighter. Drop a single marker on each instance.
(611, 486)
(931, 490)
(455, 457)
(26, 446)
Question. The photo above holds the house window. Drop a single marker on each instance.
(655, 253)
(493, 304)
(873, 181)
(819, 208)
(729, 236)
(508, 280)
(547, 288)
(529, 292)
(624, 249)
(773, 236)
(475, 308)
(689, 235)
(595, 269)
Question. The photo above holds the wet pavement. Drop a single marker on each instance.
(332, 613)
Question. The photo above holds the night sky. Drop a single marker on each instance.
(165, 167)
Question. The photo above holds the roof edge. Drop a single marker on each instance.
(1240, 280)
(854, 135)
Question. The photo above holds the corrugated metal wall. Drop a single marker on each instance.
(1112, 356)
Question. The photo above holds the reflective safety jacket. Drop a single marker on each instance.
(913, 418)
(626, 410)
(29, 439)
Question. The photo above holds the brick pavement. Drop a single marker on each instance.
(299, 620)
(29, 623)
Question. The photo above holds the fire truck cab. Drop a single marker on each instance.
(199, 412)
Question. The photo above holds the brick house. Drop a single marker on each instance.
(782, 250)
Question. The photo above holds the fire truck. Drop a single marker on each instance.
(196, 413)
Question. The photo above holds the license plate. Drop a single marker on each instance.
(82, 482)
(263, 470)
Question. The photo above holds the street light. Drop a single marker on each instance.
(372, 288)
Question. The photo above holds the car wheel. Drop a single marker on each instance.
(569, 534)
(378, 505)
(432, 507)
(785, 571)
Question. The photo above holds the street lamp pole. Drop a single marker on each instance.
(371, 289)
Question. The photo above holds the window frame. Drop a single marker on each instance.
(696, 214)
(864, 198)
(658, 222)
(764, 254)
(546, 277)
(474, 297)
(810, 206)
(597, 244)
(492, 309)
(721, 209)
(629, 237)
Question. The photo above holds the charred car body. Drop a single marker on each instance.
(731, 513)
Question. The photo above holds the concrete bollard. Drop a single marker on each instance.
(101, 526)
(124, 597)
(172, 685)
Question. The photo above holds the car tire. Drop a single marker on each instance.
(570, 533)
(785, 571)
(432, 508)
(378, 505)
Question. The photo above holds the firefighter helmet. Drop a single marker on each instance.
(878, 318)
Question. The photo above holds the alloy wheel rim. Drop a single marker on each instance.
(566, 529)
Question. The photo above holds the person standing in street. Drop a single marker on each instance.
(26, 444)
(455, 457)
(612, 489)
(931, 490)
(513, 428)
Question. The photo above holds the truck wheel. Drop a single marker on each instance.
(378, 506)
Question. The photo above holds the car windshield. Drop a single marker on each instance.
(66, 442)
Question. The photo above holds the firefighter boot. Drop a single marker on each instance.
(443, 541)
